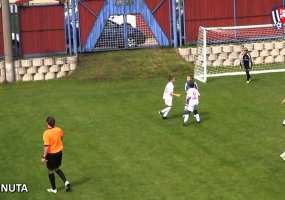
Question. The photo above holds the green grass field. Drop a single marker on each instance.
(116, 146)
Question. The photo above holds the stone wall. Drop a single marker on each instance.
(228, 54)
(36, 69)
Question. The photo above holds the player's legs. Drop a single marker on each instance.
(51, 165)
(186, 105)
(63, 178)
(248, 77)
(52, 181)
(196, 114)
(189, 109)
(186, 117)
(164, 112)
(59, 172)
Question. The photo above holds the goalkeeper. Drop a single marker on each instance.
(246, 62)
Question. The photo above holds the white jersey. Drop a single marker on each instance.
(193, 96)
(169, 88)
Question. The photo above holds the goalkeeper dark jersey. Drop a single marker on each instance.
(246, 60)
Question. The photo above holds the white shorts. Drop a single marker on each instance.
(192, 107)
(168, 101)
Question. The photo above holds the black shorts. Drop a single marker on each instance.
(54, 160)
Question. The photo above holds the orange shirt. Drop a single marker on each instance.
(52, 137)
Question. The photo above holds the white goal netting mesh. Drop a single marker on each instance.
(219, 49)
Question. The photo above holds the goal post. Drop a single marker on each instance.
(219, 50)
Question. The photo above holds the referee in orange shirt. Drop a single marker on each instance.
(53, 153)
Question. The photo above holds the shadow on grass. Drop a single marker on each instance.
(204, 116)
(75, 183)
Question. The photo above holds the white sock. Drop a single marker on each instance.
(283, 154)
(165, 113)
(197, 116)
(165, 110)
(186, 117)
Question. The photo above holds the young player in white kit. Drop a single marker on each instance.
(189, 79)
(193, 101)
(168, 97)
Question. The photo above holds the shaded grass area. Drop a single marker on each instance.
(131, 64)
(116, 146)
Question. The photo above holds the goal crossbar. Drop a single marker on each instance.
(237, 27)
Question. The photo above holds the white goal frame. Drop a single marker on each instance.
(204, 48)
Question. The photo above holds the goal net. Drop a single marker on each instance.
(219, 50)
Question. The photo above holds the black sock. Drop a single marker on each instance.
(61, 174)
(52, 180)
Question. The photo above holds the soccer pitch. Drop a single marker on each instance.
(116, 146)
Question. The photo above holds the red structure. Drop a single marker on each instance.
(42, 29)
(142, 26)
(90, 10)
(87, 18)
(221, 13)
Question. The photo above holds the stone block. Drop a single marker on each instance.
(217, 63)
(65, 68)
(212, 57)
(233, 55)
(228, 62)
(217, 49)
(184, 51)
(32, 70)
(73, 59)
(48, 61)
(259, 60)
(258, 46)
(39, 77)
(279, 58)
(268, 45)
(274, 52)
(43, 69)
(60, 61)
(269, 59)
(38, 62)
(26, 63)
(21, 70)
(237, 48)
(54, 68)
(279, 45)
(223, 56)
(236, 62)
(264, 53)
(254, 54)
(19, 77)
(28, 77)
(190, 58)
(249, 46)
(50, 76)
(17, 63)
(282, 52)
(61, 74)
(193, 51)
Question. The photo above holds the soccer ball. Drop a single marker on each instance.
(283, 122)
(279, 25)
